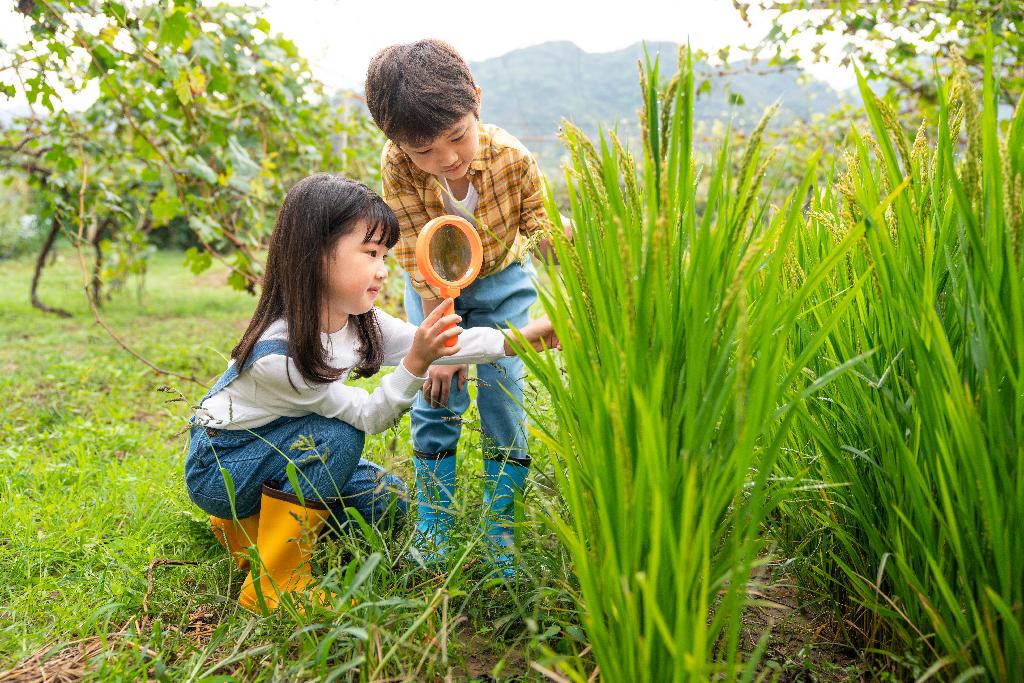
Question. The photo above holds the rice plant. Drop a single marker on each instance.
(919, 516)
(673, 392)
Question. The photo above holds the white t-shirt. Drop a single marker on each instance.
(464, 207)
(263, 393)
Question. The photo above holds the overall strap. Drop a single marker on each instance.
(261, 349)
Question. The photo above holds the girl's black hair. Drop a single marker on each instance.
(316, 212)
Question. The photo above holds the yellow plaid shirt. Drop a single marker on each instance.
(510, 208)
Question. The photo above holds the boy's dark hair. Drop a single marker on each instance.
(316, 212)
(416, 92)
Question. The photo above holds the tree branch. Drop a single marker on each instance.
(44, 251)
(86, 283)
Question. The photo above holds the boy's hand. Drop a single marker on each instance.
(546, 251)
(540, 335)
(438, 386)
(428, 342)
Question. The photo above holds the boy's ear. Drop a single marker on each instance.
(479, 99)
(401, 146)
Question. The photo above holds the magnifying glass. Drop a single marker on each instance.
(449, 255)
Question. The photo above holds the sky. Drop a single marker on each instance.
(339, 38)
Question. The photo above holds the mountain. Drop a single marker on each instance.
(9, 112)
(529, 91)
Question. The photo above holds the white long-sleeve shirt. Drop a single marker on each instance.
(263, 392)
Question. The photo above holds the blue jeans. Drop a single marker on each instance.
(498, 300)
(326, 453)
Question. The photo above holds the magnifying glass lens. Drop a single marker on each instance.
(450, 254)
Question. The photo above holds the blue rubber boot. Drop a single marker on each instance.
(435, 486)
(504, 483)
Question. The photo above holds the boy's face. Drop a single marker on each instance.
(448, 154)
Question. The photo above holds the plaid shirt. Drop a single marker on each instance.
(510, 208)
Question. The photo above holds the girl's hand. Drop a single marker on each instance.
(540, 335)
(428, 342)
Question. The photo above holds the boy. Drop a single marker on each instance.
(440, 159)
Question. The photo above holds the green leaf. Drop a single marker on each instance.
(220, 80)
(197, 261)
(58, 49)
(174, 29)
(736, 99)
(200, 169)
(116, 10)
(229, 487)
(238, 281)
(164, 207)
(103, 58)
(862, 23)
(7, 89)
(293, 478)
(59, 157)
(244, 169)
(204, 226)
(182, 89)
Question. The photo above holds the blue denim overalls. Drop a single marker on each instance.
(326, 453)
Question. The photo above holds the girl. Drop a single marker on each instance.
(275, 445)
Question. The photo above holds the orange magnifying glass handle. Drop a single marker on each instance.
(448, 292)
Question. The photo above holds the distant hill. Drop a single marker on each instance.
(9, 112)
(529, 91)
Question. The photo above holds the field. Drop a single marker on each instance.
(783, 438)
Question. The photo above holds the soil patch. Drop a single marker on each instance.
(805, 642)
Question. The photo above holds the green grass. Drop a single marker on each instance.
(92, 452)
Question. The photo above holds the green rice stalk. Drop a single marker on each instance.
(914, 500)
(673, 393)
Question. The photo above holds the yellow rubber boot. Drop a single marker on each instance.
(236, 537)
(287, 531)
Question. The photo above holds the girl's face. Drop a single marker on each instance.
(448, 154)
(356, 272)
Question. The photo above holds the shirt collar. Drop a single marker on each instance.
(484, 151)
